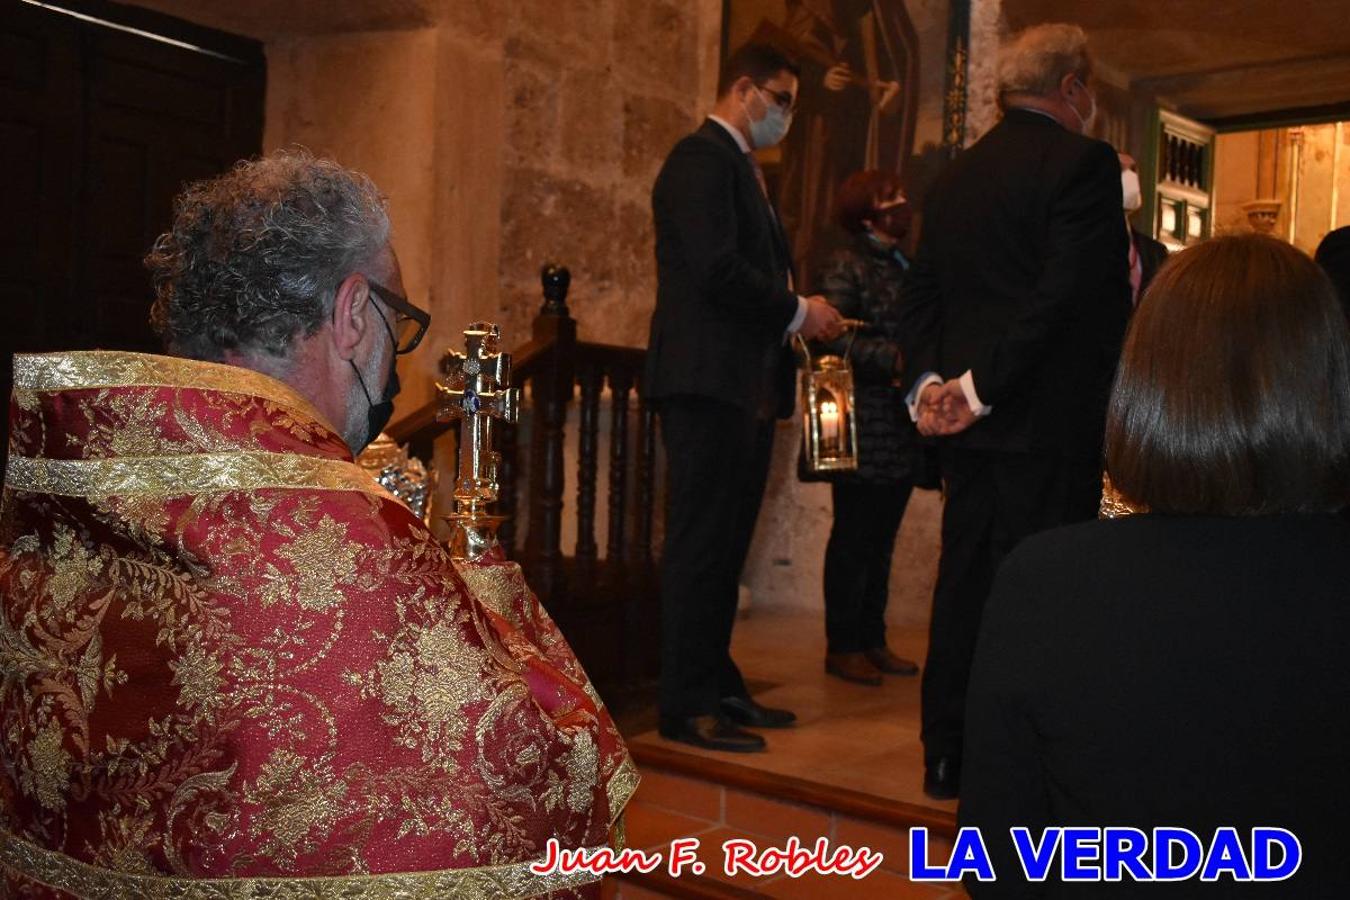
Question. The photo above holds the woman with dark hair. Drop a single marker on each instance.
(1186, 666)
(863, 281)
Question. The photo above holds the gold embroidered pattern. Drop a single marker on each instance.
(203, 675)
(80, 370)
(504, 882)
(621, 787)
(179, 475)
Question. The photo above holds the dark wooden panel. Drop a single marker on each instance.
(99, 129)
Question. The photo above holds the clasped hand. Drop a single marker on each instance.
(943, 410)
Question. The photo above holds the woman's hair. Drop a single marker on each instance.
(858, 195)
(254, 256)
(1233, 394)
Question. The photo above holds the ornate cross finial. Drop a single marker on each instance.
(476, 389)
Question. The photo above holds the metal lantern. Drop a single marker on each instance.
(402, 475)
(829, 429)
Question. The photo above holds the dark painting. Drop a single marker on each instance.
(871, 97)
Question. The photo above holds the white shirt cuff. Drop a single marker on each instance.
(967, 383)
(796, 324)
(912, 401)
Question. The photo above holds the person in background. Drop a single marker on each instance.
(1186, 667)
(863, 281)
(719, 371)
(1333, 255)
(1013, 315)
(1146, 254)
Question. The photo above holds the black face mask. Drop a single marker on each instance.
(379, 414)
(895, 220)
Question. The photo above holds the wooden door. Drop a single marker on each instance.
(1181, 192)
(103, 117)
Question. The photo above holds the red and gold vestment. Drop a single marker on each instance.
(231, 665)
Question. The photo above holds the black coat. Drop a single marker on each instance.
(863, 281)
(1022, 277)
(1166, 670)
(1152, 254)
(722, 269)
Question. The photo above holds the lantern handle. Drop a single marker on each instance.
(806, 351)
(852, 326)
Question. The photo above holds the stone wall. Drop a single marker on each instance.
(507, 133)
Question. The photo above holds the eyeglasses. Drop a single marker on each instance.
(786, 102)
(410, 323)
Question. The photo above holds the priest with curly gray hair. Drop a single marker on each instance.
(226, 653)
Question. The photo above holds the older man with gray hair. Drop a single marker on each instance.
(225, 652)
(1013, 317)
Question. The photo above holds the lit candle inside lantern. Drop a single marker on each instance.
(829, 425)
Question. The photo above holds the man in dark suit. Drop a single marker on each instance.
(719, 370)
(1012, 322)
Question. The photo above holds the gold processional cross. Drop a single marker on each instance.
(476, 389)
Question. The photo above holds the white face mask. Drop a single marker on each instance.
(1086, 121)
(771, 129)
(1131, 190)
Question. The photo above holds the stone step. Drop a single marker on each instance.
(689, 795)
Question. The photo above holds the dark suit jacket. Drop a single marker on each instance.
(1167, 670)
(1022, 276)
(722, 265)
(1152, 254)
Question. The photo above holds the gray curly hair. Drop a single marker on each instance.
(255, 256)
(1034, 60)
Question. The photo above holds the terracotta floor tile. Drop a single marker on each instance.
(653, 828)
(893, 842)
(712, 854)
(636, 892)
(775, 818)
(688, 796)
(880, 885)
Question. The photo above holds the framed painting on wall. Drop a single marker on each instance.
(881, 81)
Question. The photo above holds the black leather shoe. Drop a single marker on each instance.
(745, 711)
(942, 778)
(712, 733)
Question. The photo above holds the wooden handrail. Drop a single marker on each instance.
(600, 603)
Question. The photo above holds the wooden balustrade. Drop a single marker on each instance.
(606, 607)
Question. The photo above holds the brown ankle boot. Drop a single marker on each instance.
(888, 662)
(853, 667)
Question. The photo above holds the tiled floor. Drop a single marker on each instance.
(847, 735)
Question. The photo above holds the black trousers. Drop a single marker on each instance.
(717, 462)
(994, 500)
(858, 563)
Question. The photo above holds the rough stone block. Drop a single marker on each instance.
(592, 130)
(480, 18)
(657, 42)
(549, 218)
(532, 114)
(570, 25)
(635, 256)
(651, 126)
